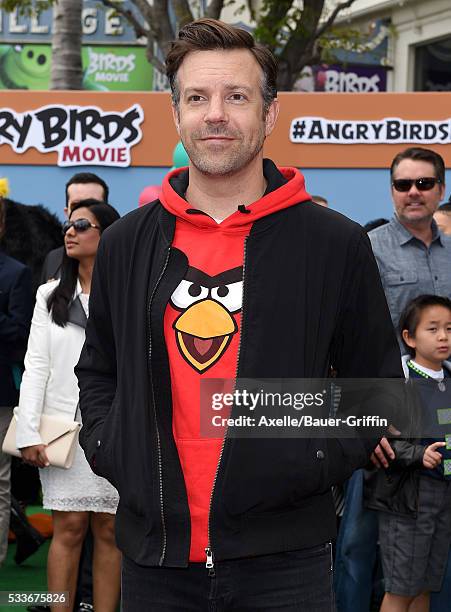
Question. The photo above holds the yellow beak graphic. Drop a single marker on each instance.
(203, 333)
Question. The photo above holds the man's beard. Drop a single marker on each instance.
(426, 218)
(235, 156)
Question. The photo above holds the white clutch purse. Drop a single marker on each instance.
(60, 435)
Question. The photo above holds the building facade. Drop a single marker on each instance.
(419, 52)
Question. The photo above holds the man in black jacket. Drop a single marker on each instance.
(235, 273)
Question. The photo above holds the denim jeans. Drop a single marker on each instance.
(356, 551)
(290, 582)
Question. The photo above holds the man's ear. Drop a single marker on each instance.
(271, 117)
(176, 117)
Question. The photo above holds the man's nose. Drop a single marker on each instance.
(414, 191)
(216, 111)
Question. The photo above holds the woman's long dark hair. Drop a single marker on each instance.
(59, 300)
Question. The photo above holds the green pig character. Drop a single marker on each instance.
(25, 66)
(28, 67)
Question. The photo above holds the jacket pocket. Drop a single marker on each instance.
(104, 453)
(271, 477)
(394, 491)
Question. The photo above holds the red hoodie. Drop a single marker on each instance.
(202, 325)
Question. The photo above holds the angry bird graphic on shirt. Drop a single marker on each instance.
(206, 325)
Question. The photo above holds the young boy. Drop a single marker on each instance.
(415, 531)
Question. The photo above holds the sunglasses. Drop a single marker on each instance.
(422, 184)
(80, 226)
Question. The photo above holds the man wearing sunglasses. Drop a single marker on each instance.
(414, 258)
(81, 186)
(412, 254)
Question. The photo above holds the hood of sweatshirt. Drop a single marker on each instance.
(285, 188)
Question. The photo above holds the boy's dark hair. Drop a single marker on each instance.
(60, 299)
(445, 208)
(87, 177)
(210, 35)
(411, 314)
(421, 154)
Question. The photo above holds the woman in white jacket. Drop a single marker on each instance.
(76, 496)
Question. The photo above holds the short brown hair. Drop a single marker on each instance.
(211, 34)
(421, 154)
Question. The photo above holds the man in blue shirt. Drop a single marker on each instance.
(413, 256)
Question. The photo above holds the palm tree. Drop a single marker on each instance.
(66, 45)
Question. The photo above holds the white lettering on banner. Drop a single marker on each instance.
(79, 134)
(36, 27)
(14, 26)
(109, 62)
(390, 130)
(113, 23)
(350, 82)
(108, 77)
(89, 21)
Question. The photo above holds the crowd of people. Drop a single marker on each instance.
(235, 272)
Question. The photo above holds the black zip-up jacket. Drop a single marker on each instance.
(395, 489)
(270, 495)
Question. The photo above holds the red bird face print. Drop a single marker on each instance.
(205, 326)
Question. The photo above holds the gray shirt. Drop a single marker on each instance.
(409, 268)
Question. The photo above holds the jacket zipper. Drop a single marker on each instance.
(160, 466)
(210, 565)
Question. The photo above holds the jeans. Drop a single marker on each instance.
(291, 581)
(356, 551)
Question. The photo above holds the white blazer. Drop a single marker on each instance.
(49, 385)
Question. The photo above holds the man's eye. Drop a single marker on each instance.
(237, 97)
(195, 98)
